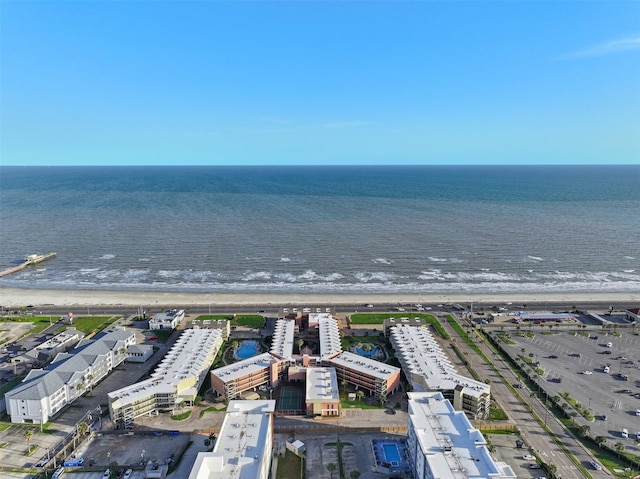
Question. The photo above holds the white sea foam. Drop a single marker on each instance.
(285, 260)
(630, 257)
(381, 261)
(374, 276)
(535, 258)
(437, 260)
(629, 270)
(259, 275)
(164, 273)
(107, 256)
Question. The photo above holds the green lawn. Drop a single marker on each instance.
(289, 466)
(248, 320)
(378, 318)
(88, 324)
(40, 323)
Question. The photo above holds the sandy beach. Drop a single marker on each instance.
(20, 297)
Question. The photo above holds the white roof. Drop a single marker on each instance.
(191, 354)
(282, 340)
(329, 336)
(244, 367)
(322, 384)
(450, 444)
(420, 354)
(366, 365)
(241, 448)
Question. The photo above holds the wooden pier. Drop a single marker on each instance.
(28, 261)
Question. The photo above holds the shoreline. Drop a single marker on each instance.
(12, 297)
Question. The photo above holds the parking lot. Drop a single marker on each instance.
(581, 364)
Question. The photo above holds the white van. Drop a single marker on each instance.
(609, 345)
(606, 369)
(624, 433)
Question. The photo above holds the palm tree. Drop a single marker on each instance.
(600, 440)
(360, 394)
(354, 474)
(331, 467)
(344, 385)
(90, 379)
(619, 448)
(382, 398)
(300, 342)
(82, 428)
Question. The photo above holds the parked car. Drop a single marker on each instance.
(535, 466)
(127, 474)
(107, 474)
(595, 465)
(528, 457)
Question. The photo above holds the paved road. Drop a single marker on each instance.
(532, 432)
(274, 310)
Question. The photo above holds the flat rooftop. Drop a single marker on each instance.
(421, 355)
(282, 339)
(190, 356)
(366, 365)
(329, 336)
(450, 444)
(241, 448)
(321, 384)
(244, 367)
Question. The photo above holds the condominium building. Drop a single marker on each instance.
(46, 391)
(46, 351)
(244, 446)
(166, 320)
(443, 444)
(321, 395)
(177, 379)
(329, 333)
(246, 375)
(428, 368)
(282, 339)
(378, 379)
(268, 369)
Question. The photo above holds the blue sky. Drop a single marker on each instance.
(318, 82)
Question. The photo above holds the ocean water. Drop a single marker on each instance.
(327, 229)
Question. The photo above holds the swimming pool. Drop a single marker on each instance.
(391, 453)
(247, 349)
(391, 456)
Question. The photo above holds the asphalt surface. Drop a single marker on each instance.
(532, 432)
(579, 364)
